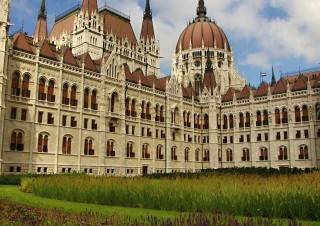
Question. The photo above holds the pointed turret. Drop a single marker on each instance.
(201, 9)
(147, 31)
(273, 80)
(90, 6)
(41, 32)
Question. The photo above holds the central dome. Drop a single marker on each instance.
(202, 31)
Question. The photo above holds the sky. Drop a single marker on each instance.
(262, 33)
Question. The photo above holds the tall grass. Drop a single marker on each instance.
(283, 196)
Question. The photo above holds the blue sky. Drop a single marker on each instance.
(283, 33)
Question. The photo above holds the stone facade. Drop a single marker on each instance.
(89, 100)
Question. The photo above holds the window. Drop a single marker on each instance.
(51, 96)
(298, 134)
(278, 136)
(285, 135)
(277, 116)
(15, 90)
(133, 130)
(127, 103)
(66, 145)
(231, 139)
(114, 98)
(225, 139)
(73, 96)
(43, 140)
(16, 143)
(206, 157)
(245, 155)
(145, 153)
(263, 154)
(174, 156)
(130, 152)
(283, 153)
(85, 123)
(297, 114)
(303, 152)
(266, 136)
(318, 111)
(94, 126)
(13, 114)
(284, 116)
(159, 152)
(259, 119)
(241, 120)
(133, 109)
(206, 122)
(186, 154)
(241, 139)
(64, 120)
(248, 138)
(306, 133)
(127, 129)
(40, 116)
(110, 148)
(50, 119)
(88, 146)
(225, 122)
(265, 118)
(305, 114)
(86, 99)
(65, 99)
(318, 133)
(41, 89)
(94, 105)
(73, 122)
(24, 114)
(196, 155)
(248, 121)
(25, 86)
(259, 138)
(229, 156)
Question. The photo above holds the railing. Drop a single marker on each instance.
(105, 7)
(61, 15)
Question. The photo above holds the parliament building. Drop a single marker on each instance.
(88, 96)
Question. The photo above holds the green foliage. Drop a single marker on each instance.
(291, 196)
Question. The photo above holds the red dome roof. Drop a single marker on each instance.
(202, 29)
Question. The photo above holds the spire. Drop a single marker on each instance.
(147, 31)
(90, 6)
(40, 31)
(147, 11)
(273, 80)
(209, 63)
(201, 9)
(42, 12)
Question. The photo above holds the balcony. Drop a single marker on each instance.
(65, 100)
(258, 123)
(42, 96)
(161, 157)
(263, 158)
(111, 153)
(74, 124)
(245, 158)
(15, 91)
(146, 156)
(265, 122)
(302, 156)
(74, 102)
(51, 98)
(94, 107)
(25, 93)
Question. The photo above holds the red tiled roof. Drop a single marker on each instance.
(89, 63)
(69, 58)
(64, 25)
(245, 93)
(228, 96)
(20, 42)
(262, 90)
(147, 31)
(316, 83)
(41, 31)
(210, 81)
(280, 87)
(90, 6)
(46, 51)
(119, 26)
(300, 84)
(187, 92)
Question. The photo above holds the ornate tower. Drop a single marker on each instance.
(4, 25)
(87, 34)
(41, 31)
(149, 43)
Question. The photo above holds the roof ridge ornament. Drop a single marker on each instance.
(201, 9)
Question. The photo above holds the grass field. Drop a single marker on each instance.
(28, 209)
(283, 196)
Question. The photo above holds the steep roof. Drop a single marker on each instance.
(280, 87)
(262, 90)
(41, 31)
(300, 84)
(228, 96)
(210, 81)
(69, 58)
(245, 93)
(63, 25)
(46, 50)
(20, 42)
(89, 63)
(90, 6)
(188, 92)
(118, 25)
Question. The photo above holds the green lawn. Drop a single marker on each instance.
(14, 194)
